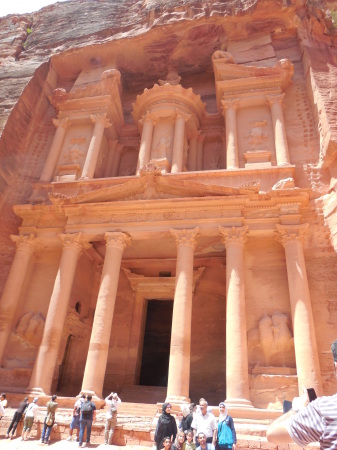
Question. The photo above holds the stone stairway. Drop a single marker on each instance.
(143, 394)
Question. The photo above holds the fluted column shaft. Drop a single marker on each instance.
(193, 152)
(178, 143)
(101, 122)
(232, 151)
(280, 137)
(237, 381)
(55, 149)
(25, 247)
(97, 358)
(45, 363)
(180, 350)
(145, 142)
(306, 353)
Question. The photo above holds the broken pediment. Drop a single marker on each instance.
(149, 186)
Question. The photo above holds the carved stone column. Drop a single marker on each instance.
(101, 122)
(237, 381)
(25, 247)
(97, 358)
(43, 371)
(110, 158)
(178, 142)
(180, 351)
(306, 354)
(200, 155)
(117, 159)
(193, 151)
(145, 142)
(230, 108)
(280, 137)
(55, 149)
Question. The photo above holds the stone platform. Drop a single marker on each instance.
(135, 428)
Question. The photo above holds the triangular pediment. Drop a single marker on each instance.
(152, 186)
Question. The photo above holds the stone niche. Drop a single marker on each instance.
(169, 119)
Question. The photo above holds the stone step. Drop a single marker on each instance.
(143, 394)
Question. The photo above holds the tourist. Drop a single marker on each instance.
(313, 422)
(17, 417)
(3, 400)
(226, 436)
(186, 421)
(112, 401)
(75, 421)
(30, 416)
(2, 411)
(88, 415)
(189, 444)
(203, 444)
(178, 445)
(49, 420)
(204, 422)
(166, 426)
(166, 443)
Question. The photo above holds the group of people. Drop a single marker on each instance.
(197, 428)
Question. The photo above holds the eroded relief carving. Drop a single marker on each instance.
(286, 183)
(163, 148)
(25, 339)
(75, 151)
(258, 135)
(272, 342)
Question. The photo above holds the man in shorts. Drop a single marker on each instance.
(75, 422)
(30, 416)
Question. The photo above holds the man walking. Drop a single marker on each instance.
(88, 415)
(17, 417)
(112, 401)
(313, 422)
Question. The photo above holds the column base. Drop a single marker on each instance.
(92, 393)
(35, 392)
(176, 399)
(238, 403)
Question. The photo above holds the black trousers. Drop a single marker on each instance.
(14, 423)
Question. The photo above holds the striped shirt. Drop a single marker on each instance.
(316, 423)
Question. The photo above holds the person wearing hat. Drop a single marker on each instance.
(17, 417)
(29, 419)
(166, 426)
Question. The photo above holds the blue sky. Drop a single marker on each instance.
(22, 6)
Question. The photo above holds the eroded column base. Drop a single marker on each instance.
(238, 403)
(35, 392)
(94, 395)
(176, 399)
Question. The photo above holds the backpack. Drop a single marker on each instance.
(86, 408)
(225, 435)
(49, 419)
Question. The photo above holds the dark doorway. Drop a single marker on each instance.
(157, 340)
(62, 382)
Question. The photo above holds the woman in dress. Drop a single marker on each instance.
(226, 431)
(166, 426)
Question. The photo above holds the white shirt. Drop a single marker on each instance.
(2, 410)
(110, 403)
(204, 423)
(32, 410)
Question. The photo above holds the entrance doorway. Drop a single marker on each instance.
(157, 340)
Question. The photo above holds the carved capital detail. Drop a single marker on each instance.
(275, 98)
(147, 117)
(181, 115)
(232, 103)
(25, 243)
(117, 239)
(100, 118)
(61, 123)
(236, 235)
(74, 241)
(287, 233)
(185, 237)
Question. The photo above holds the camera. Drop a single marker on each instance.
(298, 402)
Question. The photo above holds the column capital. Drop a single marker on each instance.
(61, 123)
(147, 117)
(100, 118)
(231, 103)
(74, 241)
(25, 242)
(275, 98)
(286, 233)
(117, 239)
(185, 237)
(236, 235)
(182, 115)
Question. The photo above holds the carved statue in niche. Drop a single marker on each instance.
(25, 339)
(272, 342)
(258, 135)
(162, 149)
(172, 78)
(75, 151)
